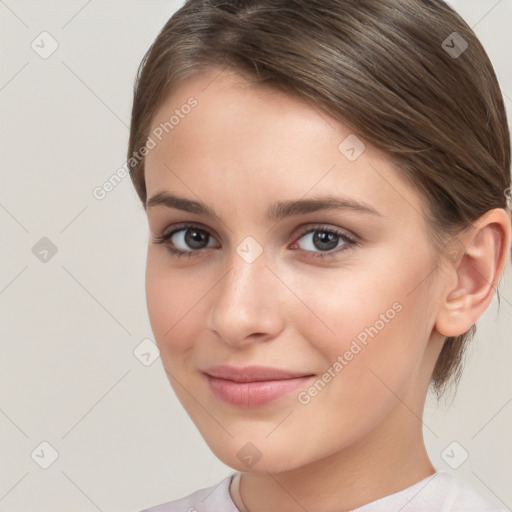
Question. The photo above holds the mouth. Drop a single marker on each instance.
(253, 386)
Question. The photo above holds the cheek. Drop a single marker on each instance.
(173, 301)
(372, 321)
(371, 359)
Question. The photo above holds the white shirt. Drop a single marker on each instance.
(440, 492)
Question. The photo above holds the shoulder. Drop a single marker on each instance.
(461, 497)
(441, 491)
(207, 499)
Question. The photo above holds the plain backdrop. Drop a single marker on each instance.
(86, 423)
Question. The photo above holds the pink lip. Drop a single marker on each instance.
(252, 386)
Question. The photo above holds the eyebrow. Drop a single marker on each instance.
(276, 212)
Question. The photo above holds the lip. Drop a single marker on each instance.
(252, 373)
(253, 386)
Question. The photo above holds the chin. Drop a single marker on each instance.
(255, 457)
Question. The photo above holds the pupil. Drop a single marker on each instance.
(195, 238)
(322, 237)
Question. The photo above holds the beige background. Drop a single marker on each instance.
(69, 326)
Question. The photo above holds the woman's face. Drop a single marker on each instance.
(308, 254)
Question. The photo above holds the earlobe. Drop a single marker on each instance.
(476, 267)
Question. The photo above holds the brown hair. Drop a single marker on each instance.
(392, 70)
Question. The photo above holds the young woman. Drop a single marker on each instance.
(326, 189)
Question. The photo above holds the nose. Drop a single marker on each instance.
(245, 304)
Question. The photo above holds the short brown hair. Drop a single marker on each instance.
(409, 76)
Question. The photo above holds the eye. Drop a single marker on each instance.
(186, 240)
(322, 241)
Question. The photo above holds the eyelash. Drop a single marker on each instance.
(349, 242)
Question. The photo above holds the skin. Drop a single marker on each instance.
(243, 147)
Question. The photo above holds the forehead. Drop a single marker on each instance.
(227, 107)
(260, 143)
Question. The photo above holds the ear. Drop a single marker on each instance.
(477, 259)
